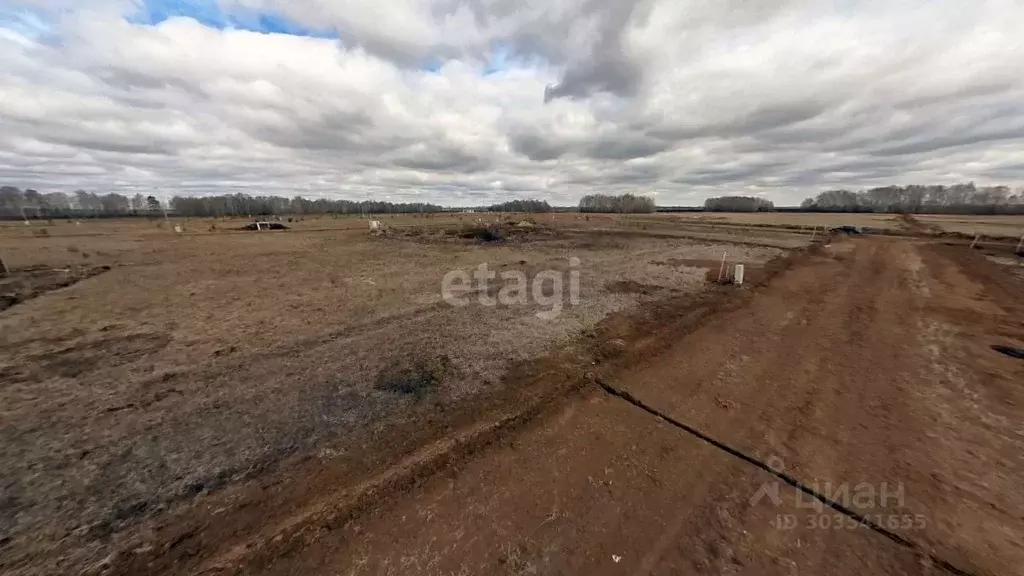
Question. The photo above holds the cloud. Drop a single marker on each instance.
(455, 101)
(604, 62)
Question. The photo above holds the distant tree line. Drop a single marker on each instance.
(955, 199)
(521, 206)
(624, 204)
(31, 204)
(738, 204)
(23, 205)
(244, 205)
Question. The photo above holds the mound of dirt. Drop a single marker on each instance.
(24, 284)
(505, 232)
(483, 234)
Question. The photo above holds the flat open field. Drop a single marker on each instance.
(207, 358)
(218, 401)
(807, 220)
(1000, 226)
(1011, 226)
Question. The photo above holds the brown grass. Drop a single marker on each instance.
(1011, 226)
(206, 358)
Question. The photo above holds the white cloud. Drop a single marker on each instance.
(467, 101)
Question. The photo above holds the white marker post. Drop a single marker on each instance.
(814, 233)
(737, 275)
(4, 270)
(1019, 245)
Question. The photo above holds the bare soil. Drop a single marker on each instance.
(865, 366)
(843, 412)
(22, 284)
(214, 358)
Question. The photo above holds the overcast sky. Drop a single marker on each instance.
(471, 101)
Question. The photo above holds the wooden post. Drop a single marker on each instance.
(1019, 244)
(814, 233)
(976, 237)
(721, 269)
(4, 270)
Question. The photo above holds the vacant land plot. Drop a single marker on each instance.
(999, 226)
(1008, 226)
(851, 418)
(802, 220)
(311, 400)
(209, 357)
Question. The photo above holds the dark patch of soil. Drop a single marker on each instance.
(484, 234)
(27, 283)
(503, 232)
(1010, 351)
(417, 376)
(488, 234)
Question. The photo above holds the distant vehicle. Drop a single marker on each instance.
(265, 226)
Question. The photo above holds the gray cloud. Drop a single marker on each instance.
(605, 65)
(476, 100)
(536, 147)
(441, 159)
(625, 147)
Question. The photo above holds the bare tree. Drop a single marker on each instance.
(738, 204)
(623, 204)
(957, 199)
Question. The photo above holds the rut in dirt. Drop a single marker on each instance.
(790, 480)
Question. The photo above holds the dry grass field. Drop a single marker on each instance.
(997, 226)
(201, 359)
(1004, 226)
(810, 220)
(218, 400)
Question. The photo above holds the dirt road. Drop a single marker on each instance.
(849, 419)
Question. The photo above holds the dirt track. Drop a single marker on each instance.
(866, 364)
